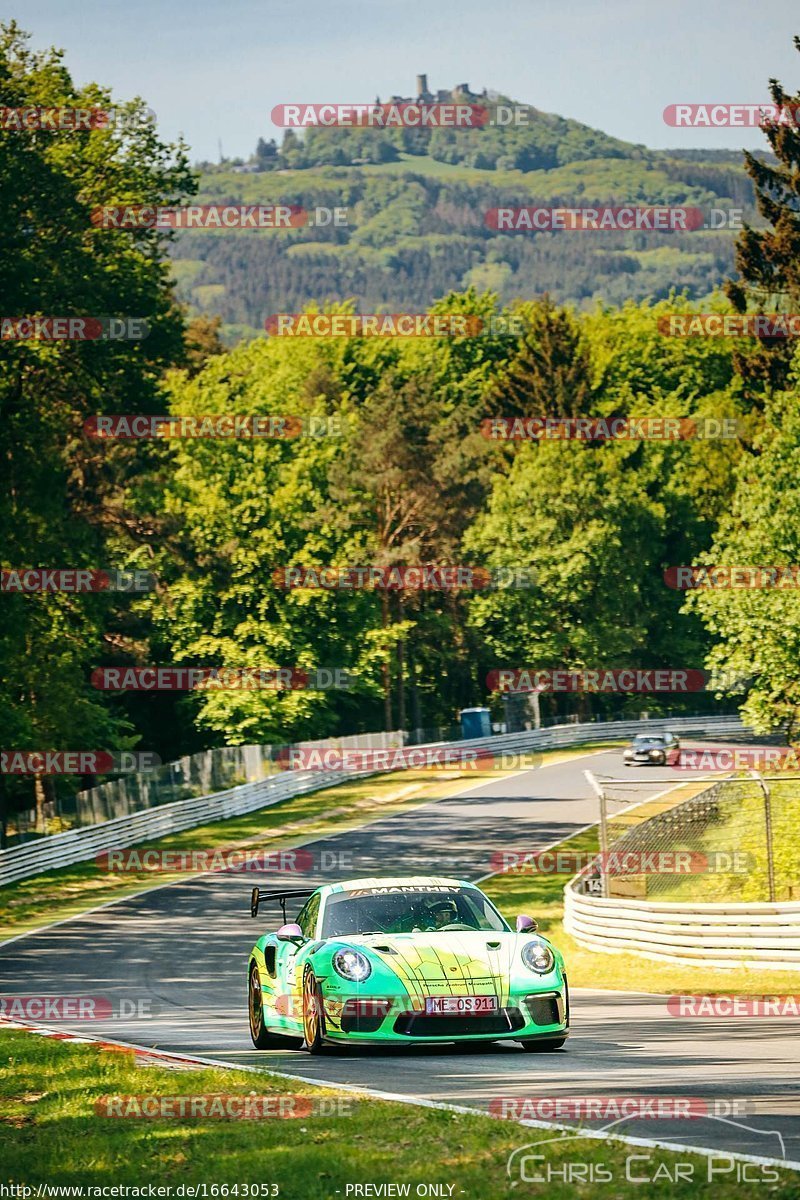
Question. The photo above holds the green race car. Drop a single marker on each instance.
(402, 960)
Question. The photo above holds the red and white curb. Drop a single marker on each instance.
(141, 1057)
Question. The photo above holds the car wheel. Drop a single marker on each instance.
(541, 1046)
(261, 1037)
(313, 1015)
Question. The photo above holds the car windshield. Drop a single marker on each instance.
(642, 742)
(406, 908)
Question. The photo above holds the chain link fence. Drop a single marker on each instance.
(727, 840)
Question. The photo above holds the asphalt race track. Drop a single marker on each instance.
(177, 955)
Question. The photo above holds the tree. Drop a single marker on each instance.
(579, 519)
(202, 341)
(768, 260)
(62, 502)
(266, 154)
(757, 630)
(551, 372)
(234, 512)
(393, 498)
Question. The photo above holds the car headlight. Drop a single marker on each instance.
(656, 753)
(352, 965)
(538, 957)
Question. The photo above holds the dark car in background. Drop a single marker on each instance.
(652, 749)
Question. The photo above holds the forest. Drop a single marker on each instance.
(404, 474)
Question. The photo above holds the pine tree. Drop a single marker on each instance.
(768, 260)
(551, 373)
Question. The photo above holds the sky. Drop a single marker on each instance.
(213, 71)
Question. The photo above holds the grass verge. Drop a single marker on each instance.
(54, 895)
(50, 1134)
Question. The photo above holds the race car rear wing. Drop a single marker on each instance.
(260, 896)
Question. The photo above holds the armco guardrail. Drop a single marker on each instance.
(756, 935)
(192, 775)
(716, 935)
(81, 845)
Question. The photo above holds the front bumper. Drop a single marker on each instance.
(525, 1015)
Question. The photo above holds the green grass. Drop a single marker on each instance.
(542, 896)
(71, 890)
(51, 1134)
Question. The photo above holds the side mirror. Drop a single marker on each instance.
(525, 924)
(290, 933)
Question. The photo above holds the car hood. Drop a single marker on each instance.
(457, 962)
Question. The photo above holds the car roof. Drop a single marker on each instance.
(387, 881)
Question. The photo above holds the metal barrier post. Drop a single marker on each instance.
(762, 783)
(603, 830)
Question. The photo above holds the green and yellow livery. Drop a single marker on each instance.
(402, 960)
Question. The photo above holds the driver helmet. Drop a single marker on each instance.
(443, 912)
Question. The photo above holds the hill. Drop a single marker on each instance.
(416, 203)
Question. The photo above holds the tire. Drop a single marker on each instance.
(261, 1037)
(313, 1014)
(542, 1045)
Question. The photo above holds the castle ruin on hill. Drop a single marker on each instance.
(461, 92)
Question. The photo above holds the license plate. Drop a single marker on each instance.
(442, 1005)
